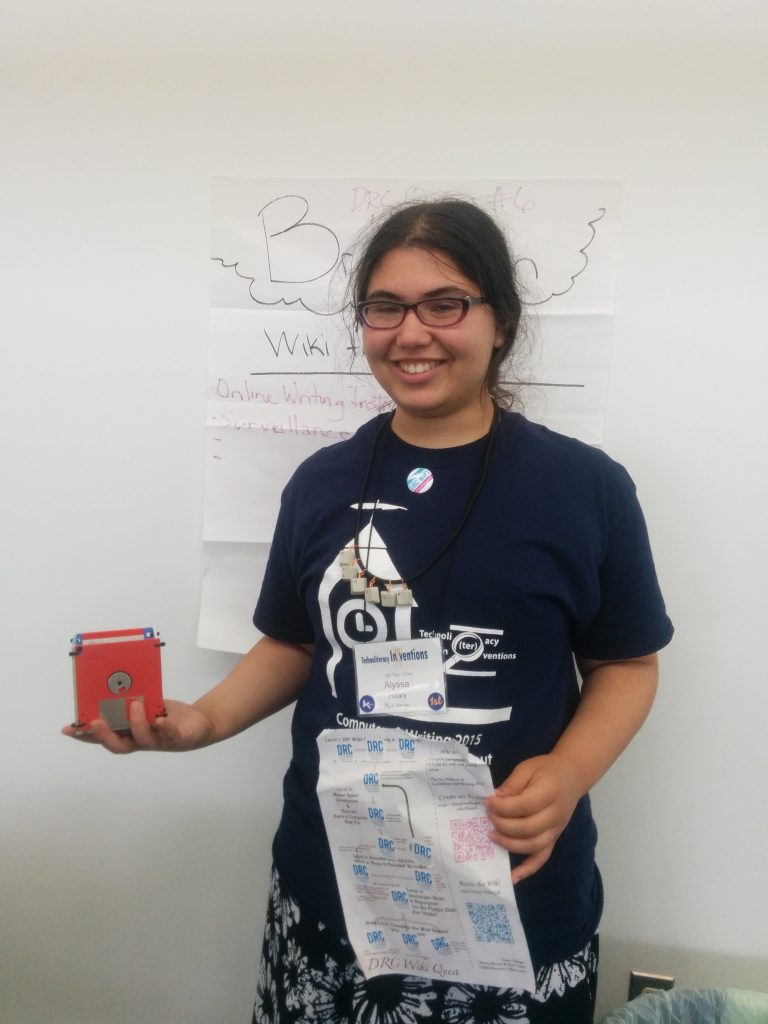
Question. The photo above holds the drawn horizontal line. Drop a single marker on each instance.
(309, 373)
(541, 384)
(365, 373)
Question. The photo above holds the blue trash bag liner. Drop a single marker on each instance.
(693, 1006)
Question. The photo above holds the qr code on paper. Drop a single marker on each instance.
(469, 837)
(490, 922)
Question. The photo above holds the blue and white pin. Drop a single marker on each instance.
(420, 480)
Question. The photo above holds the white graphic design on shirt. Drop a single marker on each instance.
(356, 621)
(347, 623)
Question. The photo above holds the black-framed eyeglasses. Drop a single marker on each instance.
(446, 311)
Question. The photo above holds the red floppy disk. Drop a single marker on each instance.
(113, 669)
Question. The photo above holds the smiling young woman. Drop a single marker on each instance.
(452, 509)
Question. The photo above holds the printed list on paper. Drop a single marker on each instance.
(423, 888)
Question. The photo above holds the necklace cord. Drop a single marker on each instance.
(470, 504)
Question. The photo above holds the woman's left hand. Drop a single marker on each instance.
(531, 808)
(533, 805)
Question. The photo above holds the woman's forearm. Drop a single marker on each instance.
(530, 809)
(615, 700)
(268, 678)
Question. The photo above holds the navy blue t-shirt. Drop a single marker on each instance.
(553, 561)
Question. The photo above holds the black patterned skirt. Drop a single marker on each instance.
(310, 976)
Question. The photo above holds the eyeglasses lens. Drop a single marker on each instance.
(433, 312)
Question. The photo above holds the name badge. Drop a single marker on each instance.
(400, 677)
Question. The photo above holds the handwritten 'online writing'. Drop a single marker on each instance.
(338, 404)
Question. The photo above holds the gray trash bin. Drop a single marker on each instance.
(693, 1006)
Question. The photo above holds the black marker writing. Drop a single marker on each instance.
(579, 272)
(311, 345)
(289, 236)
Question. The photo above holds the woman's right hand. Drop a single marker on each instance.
(186, 727)
(265, 680)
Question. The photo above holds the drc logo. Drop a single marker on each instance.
(407, 747)
(376, 938)
(436, 701)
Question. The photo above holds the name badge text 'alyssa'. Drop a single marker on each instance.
(403, 678)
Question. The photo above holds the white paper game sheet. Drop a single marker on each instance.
(423, 888)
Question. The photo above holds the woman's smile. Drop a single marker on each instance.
(413, 368)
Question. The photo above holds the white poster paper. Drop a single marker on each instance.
(232, 575)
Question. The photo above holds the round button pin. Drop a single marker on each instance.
(419, 480)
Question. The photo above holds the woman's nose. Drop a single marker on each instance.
(412, 331)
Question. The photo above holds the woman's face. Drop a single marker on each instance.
(430, 372)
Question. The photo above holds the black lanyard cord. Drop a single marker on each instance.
(364, 571)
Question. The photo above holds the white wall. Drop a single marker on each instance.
(133, 889)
